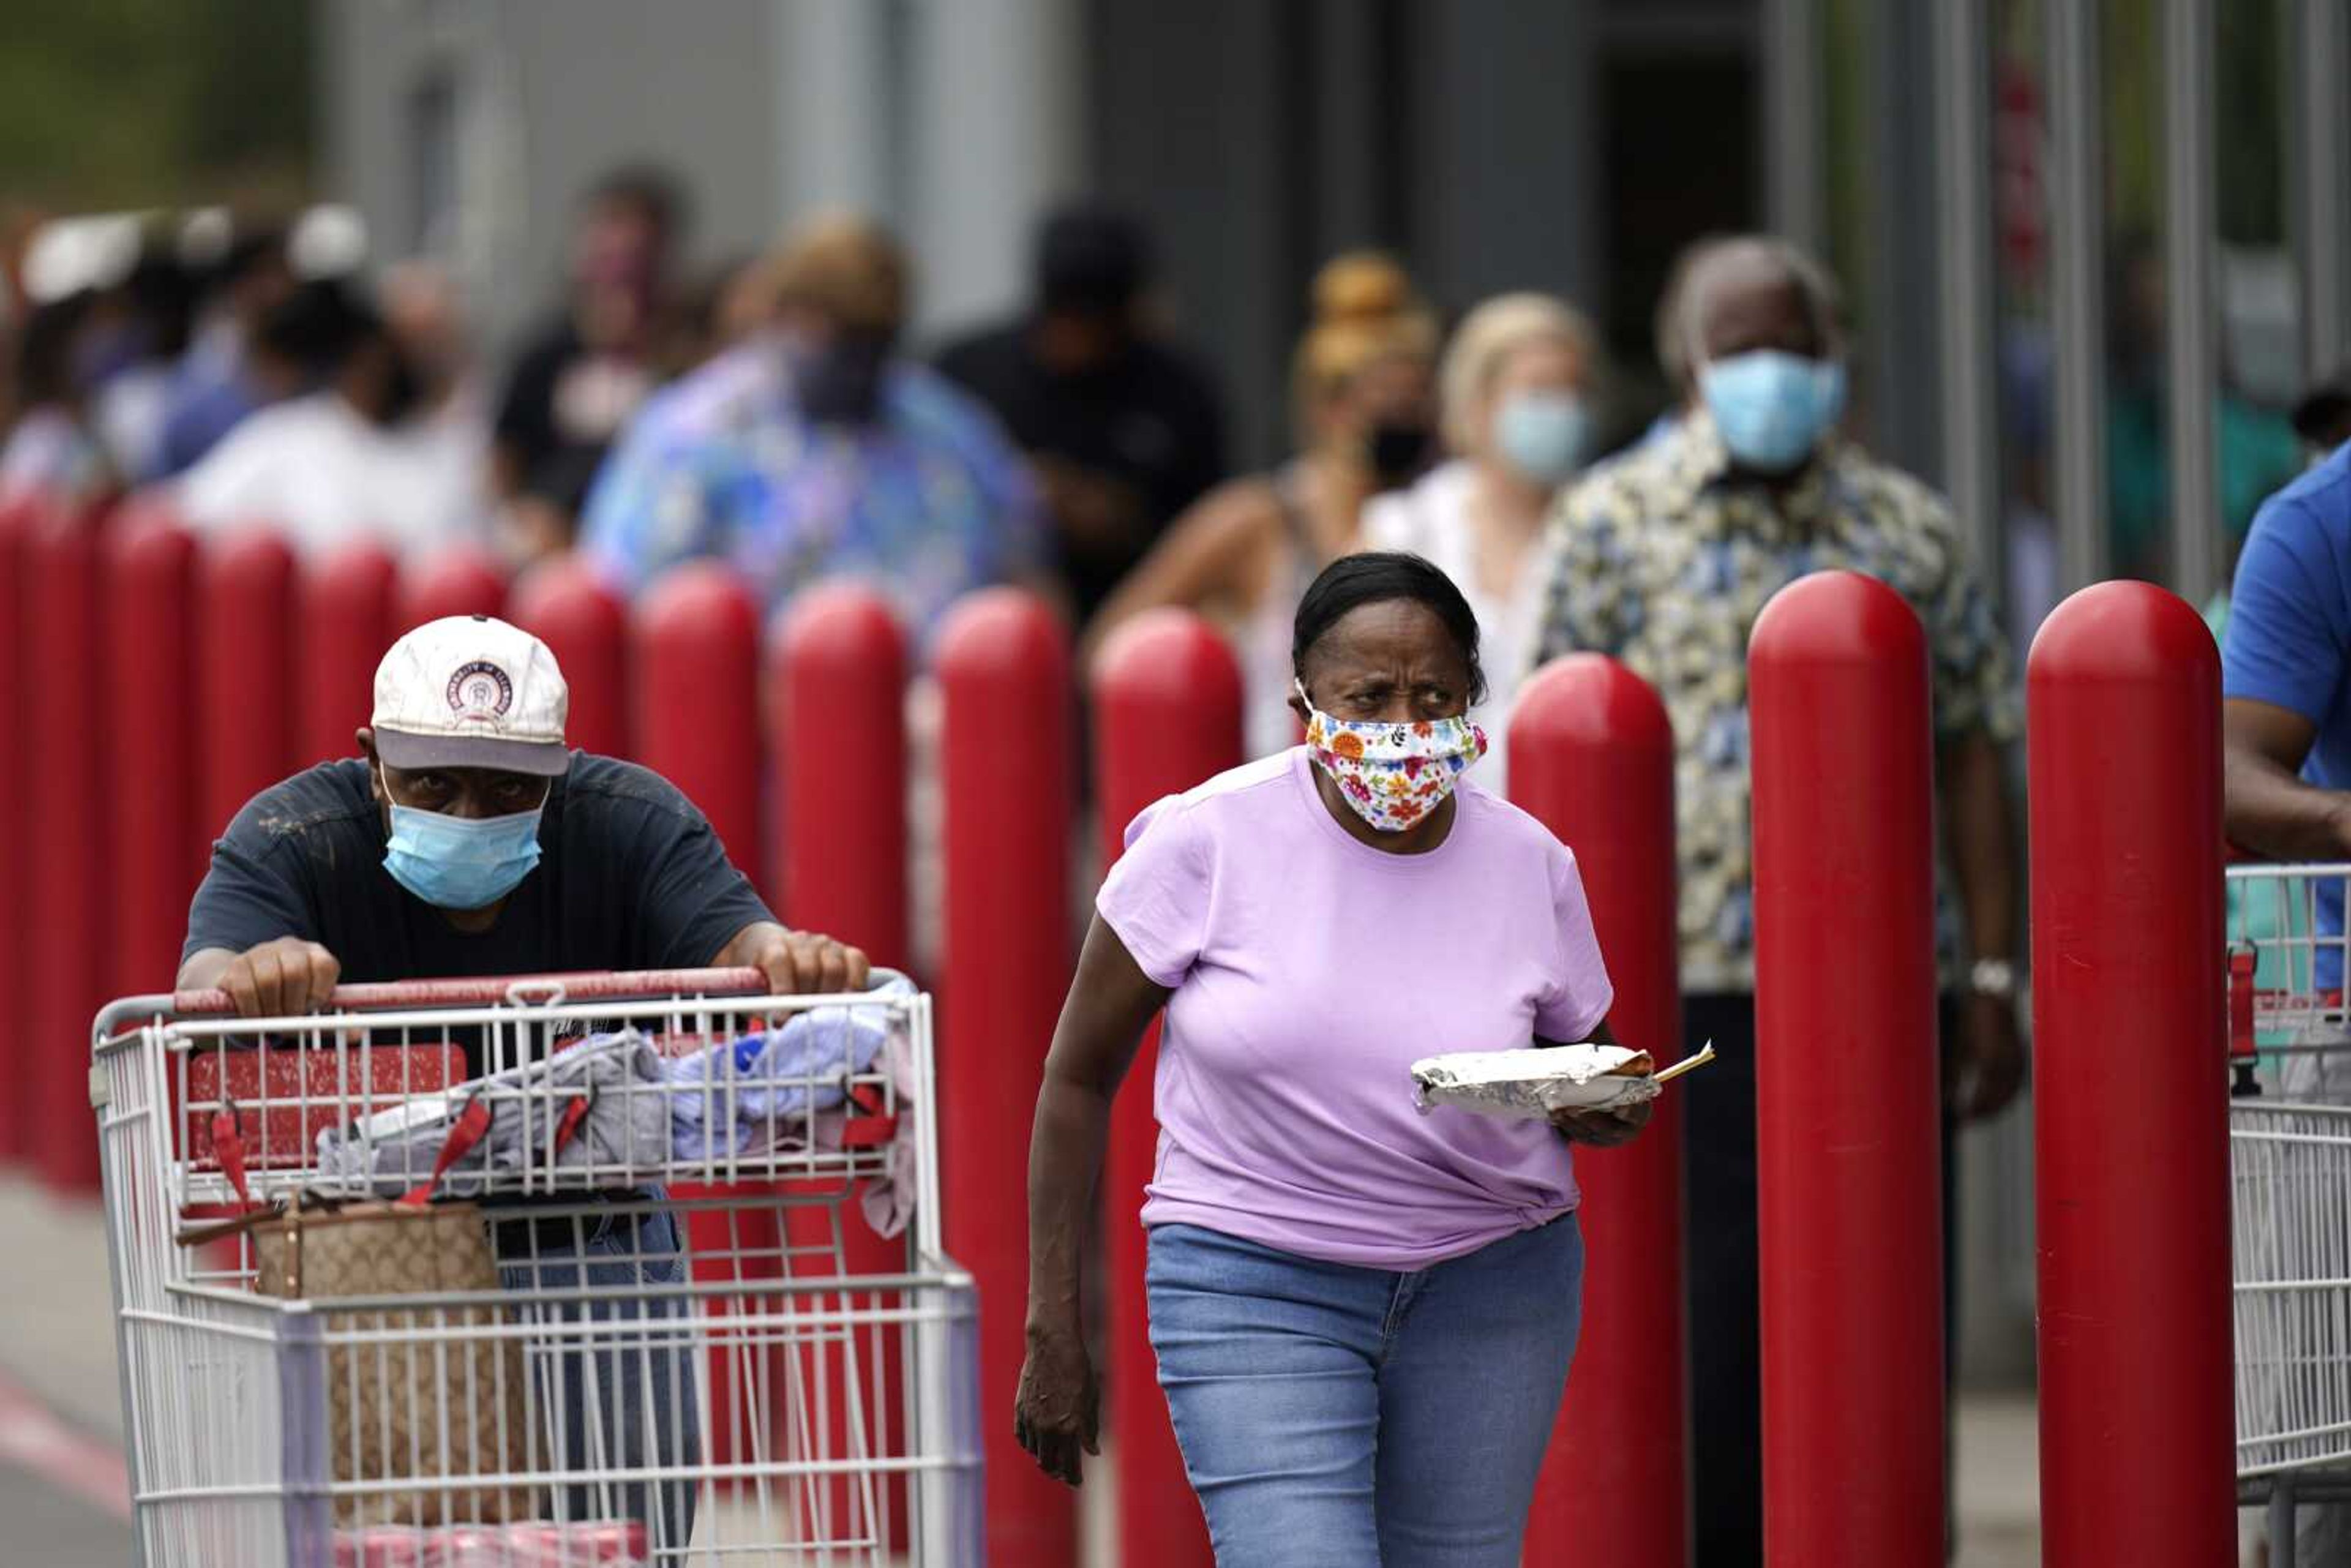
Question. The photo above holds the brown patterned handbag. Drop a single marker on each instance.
(422, 1396)
(431, 1397)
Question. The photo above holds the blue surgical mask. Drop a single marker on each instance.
(1772, 408)
(1542, 435)
(460, 862)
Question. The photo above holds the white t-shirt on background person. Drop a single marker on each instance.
(1431, 519)
(323, 476)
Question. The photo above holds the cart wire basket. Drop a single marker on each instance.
(635, 1269)
(2290, 1166)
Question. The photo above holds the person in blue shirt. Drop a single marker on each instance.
(2287, 708)
(2286, 726)
(815, 451)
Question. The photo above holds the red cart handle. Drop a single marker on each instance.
(588, 985)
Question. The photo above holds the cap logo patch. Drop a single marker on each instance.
(480, 692)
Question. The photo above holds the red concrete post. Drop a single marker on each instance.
(1848, 1089)
(1592, 757)
(2131, 1087)
(1004, 666)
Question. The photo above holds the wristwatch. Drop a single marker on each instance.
(1993, 977)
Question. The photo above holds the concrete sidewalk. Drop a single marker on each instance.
(56, 1345)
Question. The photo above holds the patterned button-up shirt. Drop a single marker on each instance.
(928, 504)
(1662, 559)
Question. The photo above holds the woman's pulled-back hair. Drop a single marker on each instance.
(1379, 577)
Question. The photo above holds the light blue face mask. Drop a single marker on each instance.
(460, 862)
(1772, 408)
(1542, 435)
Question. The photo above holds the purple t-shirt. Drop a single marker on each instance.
(1310, 971)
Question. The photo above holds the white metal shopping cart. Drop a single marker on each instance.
(524, 1273)
(2289, 1217)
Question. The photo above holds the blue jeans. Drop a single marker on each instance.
(1333, 1415)
(620, 1399)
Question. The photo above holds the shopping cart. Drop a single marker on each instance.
(539, 1272)
(2290, 1159)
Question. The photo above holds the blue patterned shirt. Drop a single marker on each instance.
(928, 504)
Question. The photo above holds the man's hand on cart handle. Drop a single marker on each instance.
(282, 979)
(797, 963)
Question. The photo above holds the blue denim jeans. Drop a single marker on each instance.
(621, 1398)
(1340, 1415)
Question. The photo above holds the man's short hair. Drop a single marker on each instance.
(651, 192)
(1090, 260)
(1812, 280)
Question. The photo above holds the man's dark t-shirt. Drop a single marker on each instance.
(630, 877)
(1150, 420)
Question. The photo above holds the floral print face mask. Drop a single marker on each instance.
(1393, 774)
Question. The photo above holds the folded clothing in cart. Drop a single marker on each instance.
(595, 1106)
(611, 1544)
(765, 1090)
(613, 1110)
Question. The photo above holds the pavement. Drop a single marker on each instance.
(65, 1503)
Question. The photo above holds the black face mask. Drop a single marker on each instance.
(403, 392)
(841, 383)
(1397, 450)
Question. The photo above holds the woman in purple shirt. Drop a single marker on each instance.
(1363, 1314)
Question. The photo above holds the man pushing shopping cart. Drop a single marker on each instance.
(467, 840)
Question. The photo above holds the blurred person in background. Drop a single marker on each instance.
(214, 388)
(52, 451)
(346, 450)
(585, 373)
(1663, 558)
(1124, 432)
(1362, 384)
(2254, 445)
(815, 451)
(725, 304)
(146, 322)
(2321, 417)
(1519, 387)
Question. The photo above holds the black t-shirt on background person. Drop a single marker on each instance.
(564, 405)
(1149, 420)
(630, 876)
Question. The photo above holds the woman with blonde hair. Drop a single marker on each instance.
(1361, 383)
(1518, 385)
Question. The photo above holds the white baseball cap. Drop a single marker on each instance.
(469, 691)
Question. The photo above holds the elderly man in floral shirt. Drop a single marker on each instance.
(1663, 558)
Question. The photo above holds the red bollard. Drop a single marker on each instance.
(1592, 758)
(1848, 1089)
(68, 855)
(460, 580)
(19, 1115)
(347, 626)
(1004, 667)
(694, 646)
(565, 604)
(836, 700)
(159, 851)
(837, 707)
(244, 653)
(2130, 1098)
(1167, 716)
